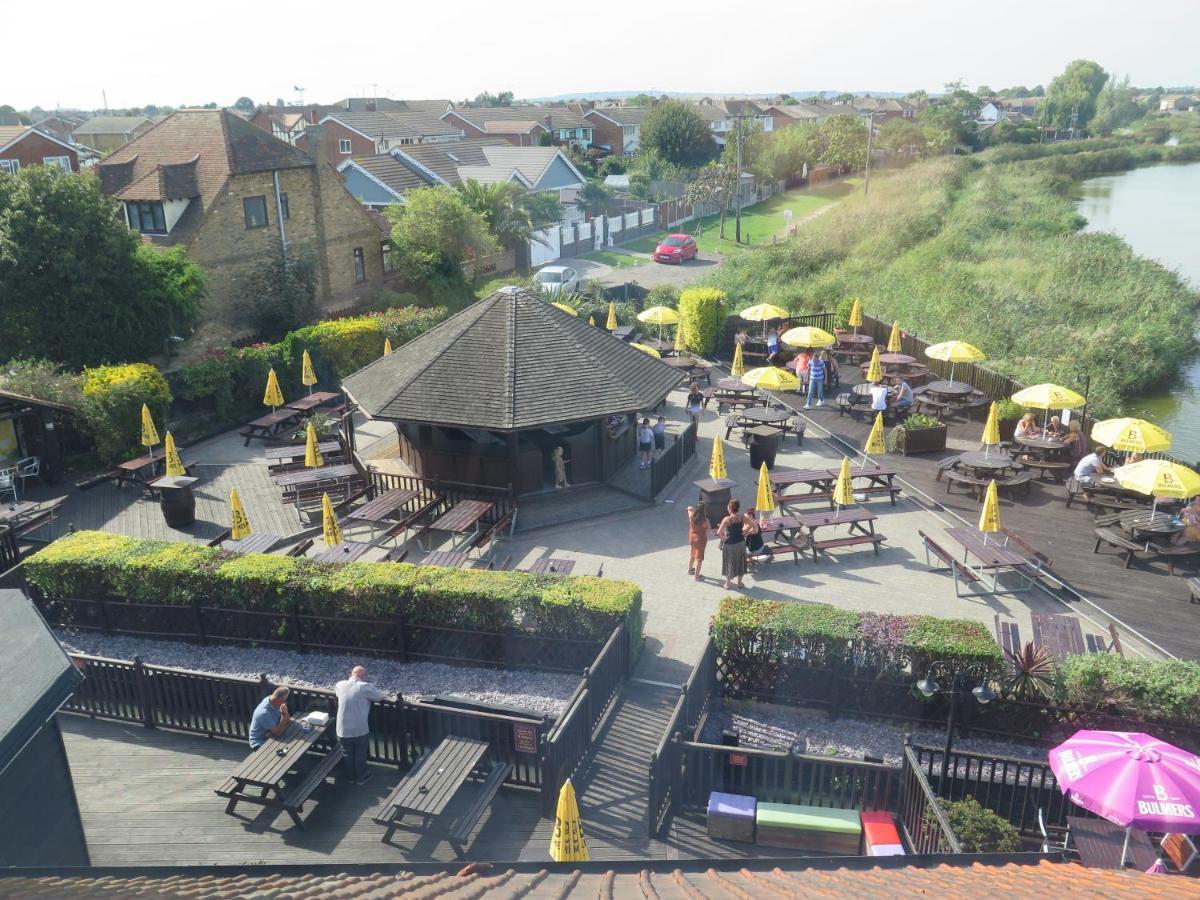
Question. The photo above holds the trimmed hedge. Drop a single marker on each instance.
(1145, 689)
(112, 407)
(100, 565)
(702, 314)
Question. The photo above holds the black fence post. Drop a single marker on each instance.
(143, 691)
(549, 767)
(104, 616)
(675, 771)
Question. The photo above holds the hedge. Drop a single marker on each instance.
(112, 407)
(702, 314)
(1145, 689)
(100, 565)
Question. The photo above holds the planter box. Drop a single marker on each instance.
(924, 440)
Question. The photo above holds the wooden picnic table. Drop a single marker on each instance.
(995, 555)
(880, 480)
(990, 463)
(896, 359)
(1044, 445)
(854, 340)
(1060, 636)
(951, 390)
(463, 517)
(256, 543)
(310, 477)
(12, 513)
(548, 565)
(1099, 843)
(312, 401)
(265, 428)
(447, 559)
(691, 367)
(141, 469)
(1144, 523)
(294, 452)
(383, 507)
(345, 552)
(860, 527)
(733, 386)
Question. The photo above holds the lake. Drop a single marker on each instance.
(1157, 211)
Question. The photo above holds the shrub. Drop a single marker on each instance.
(662, 295)
(979, 830)
(1142, 688)
(1006, 410)
(112, 406)
(917, 421)
(702, 313)
(42, 380)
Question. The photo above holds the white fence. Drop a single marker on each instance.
(547, 248)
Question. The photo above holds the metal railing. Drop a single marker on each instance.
(926, 828)
(672, 461)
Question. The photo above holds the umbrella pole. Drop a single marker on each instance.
(1125, 847)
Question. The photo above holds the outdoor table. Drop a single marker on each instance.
(264, 428)
(991, 463)
(383, 507)
(896, 359)
(859, 520)
(734, 386)
(141, 469)
(666, 348)
(176, 500)
(765, 416)
(310, 477)
(881, 480)
(310, 402)
(548, 565)
(448, 559)
(1099, 842)
(855, 340)
(627, 333)
(345, 552)
(463, 517)
(12, 513)
(1143, 523)
(995, 557)
(690, 366)
(861, 392)
(294, 452)
(266, 767)
(952, 390)
(714, 497)
(1061, 636)
(256, 543)
(431, 784)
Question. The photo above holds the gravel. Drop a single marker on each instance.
(540, 692)
(770, 726)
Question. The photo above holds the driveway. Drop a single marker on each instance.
(650, 275)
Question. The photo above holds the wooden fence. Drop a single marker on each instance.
(926, 828)
(669, 464)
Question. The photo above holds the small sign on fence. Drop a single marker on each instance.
(525, 738)
(739, 759)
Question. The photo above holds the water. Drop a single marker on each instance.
(1155, 210)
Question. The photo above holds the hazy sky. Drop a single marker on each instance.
(171, 53)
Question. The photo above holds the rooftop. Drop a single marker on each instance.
(112, 124)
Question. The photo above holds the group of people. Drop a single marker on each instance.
(651, 439)
(898, 398)
(1071, 437)
(741, 537)
(817, 371)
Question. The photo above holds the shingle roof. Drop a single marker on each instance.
(560, 116)
(531, 162)
(444, 160)
(112, 124)
(9, 133)
(623, 115)
(386, 168)
(945, 882)
(543, 366)
(390, 125)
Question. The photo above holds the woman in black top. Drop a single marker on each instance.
(733, 545)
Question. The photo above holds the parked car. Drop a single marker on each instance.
(675, 248)
(558, 280)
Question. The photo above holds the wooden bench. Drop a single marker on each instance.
(1045, 467)
(1129, 549)
(1008, 635)
(783, 548)
(1194, 589)
(486, 541)
(929, 406)
(1020, 479)
(460, 827)
(849, 541)
(292, 801)
(1097, 643)
(956, 568)
(947, 465)
(977, 485)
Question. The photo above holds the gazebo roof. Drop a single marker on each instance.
(510, 361)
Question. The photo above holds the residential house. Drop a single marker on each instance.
(286, 124)
(355, 132)
(523, 125)
(1026, 106)
(230, 193)
(58, 125)
(884, 108)
(991, 112)
(721, 114)
(617, 129)
(783, 115)
(1177, 102)
(22, 146)
(108, 133)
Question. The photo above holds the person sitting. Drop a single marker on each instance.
(1074, 441)
(1091, 466)
(270, 718)
(902, 396)
(1055, 428)
(832, 378)
(879, 398)
(1190, 515)
(752, 532)
(1134, 457)
(1027, 427)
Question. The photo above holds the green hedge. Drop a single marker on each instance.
(93, 564)
(1145, 689)
(112, 407)
(702, 313)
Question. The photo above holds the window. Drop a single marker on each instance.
(343, 145)
(283, 205)
(63, 162)
(385, 250)
(146, 216)
(255, 209)
(10, 166)
(360, 266)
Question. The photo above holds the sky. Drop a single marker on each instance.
(170, 53)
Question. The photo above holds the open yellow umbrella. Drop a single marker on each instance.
(175, 467)
(843, 488)
(875, 369)
(567, 843)
(991, 430)
(738, 367)
(989, 516)
(954, 352)
(1131, 435)
(764, 502)
(273, 396)
(1048, 397)
(149, 432)
(331, 531)
(239, 522)
(855, 320)
(772, 378)
(1158, 478)
(763, 312)
(716, 465)
(312, 453)
(680, 339)
(875, 442)
(308, 377)
(660, 316)
(893, 344)
(611, 324)
(808, 336)
(650, 351)
(387, 346)
(567, 309)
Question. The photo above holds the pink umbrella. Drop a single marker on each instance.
(1131, 779)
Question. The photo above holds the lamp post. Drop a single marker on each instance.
(959, 676)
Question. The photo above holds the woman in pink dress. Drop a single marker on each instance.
(697, 539)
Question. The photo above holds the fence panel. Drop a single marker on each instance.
(925, 825)
(583, 231)
(615, 226)
(631, 220)
(648, 216)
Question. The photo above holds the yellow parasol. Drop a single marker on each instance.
(647, 350)
(763, 312)
(149, 432)
(660, 316)
(875, 443)
(568, 844)
(307, 376)
(738, 367)
(387, 346)
(1048, 397)
(875, 369)
(991, 430)
(1158, 478)
(855, 320)
(893, 344)
(843, 488)
(568, 310)
(764, 503)
(954, 352)
(272, 397)
(1131, 435)
(716, 465)
(239, 522)
(680, 340)
(772, 378)
(175, 467)
(312, 453)
(331, 531)
(989, 517)
(592, 321)
(611, 324)
(808, 336)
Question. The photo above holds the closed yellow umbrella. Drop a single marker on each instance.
(680, 339)
(175, 467)
(716, 465)
(764, 502)
(808, 336)
(875, 369)
(387, 346)
(567, 843)
(875, 442)
(238, 520)
(611, 324)
(308, 377)
(1131, 435)
(843, 488)
(331, 531)
(592, 321)
(855, 320)
(149, 432)
(738, 367)
(989, 516)
(660, 316)
(650, 351)
(567, 309)
(893, 344)
(273, 396)
(991, 430)
(1158, 478)
(312, 453)
(954, 352)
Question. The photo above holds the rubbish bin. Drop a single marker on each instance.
(176, 500)
(764, 445)
(714, 497)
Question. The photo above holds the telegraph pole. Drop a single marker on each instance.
(737, 182)
(870, 141)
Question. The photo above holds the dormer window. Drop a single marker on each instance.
(146, 216)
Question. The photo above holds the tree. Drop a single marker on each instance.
(1018, 90)
(844, 141)
(76, 285)
(512, 213)
(9, 112)
(787, 151)
(901, 136)
(434, 231)
(713, 184)
(640, 100)
(245, 104)
(283, 291)
(504, 98)
(677, 133)
(593, 199)
(844, 99)
(1071, 97)
(1115, 107)
(953, 113)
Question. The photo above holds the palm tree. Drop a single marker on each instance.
(593, 199)
(514, 215)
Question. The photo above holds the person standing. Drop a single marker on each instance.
(354, 696)
(733, 544)
(270, 718)
(695, 403)
(801, 363)
(816, 380)
(660, 434)
(772, 346)
(697, 539)
(645, 442)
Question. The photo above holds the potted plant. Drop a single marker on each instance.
(917, 434)
(1008, 414)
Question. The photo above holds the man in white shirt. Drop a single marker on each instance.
(879, 398)
(1090, 466)
(354, 696)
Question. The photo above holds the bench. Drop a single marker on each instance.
(1046, 467)
(929, 406)
(486, 541)
(1194, 589)
(1018, 480)
(1129, 549)
(849, 541)
(1009, 637)
(977, 485)
(292, 801)
(956, 568)
(783, 548)
(1097, 643)
(460, 827)
(947, 465)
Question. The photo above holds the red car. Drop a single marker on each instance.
(675, 248)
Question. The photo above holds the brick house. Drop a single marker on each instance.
(22, 146)
(229, 192)
(617, 129)
(108, 133)
(523, 125)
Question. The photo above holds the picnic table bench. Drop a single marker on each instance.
(345, 552)
(549, 565)
(426, 791)
(291, 456)
(266, 428)
(880, 481)
(141, 470)
(1099, 844)
(995, 556)
(383, 508)
(449, 559)
(312, 402)
(1008, 636)
(1131, 550)
(958, 570)
(255, 543)
(463, 517)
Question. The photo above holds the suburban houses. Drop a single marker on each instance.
(108, 133)
(616, 129)
(523, 125)
(24, 145)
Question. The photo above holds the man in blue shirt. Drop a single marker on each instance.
(270, 718)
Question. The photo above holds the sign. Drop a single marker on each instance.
(739, 759)
(525, 737)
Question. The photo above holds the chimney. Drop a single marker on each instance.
(314, 134)
(312, 115)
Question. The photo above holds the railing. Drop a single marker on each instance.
(926, 828)
(669, 464)
(429, 489)
(825, 320)
(566, 745)
(10, 551)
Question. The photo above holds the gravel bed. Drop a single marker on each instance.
(770, 726)
(540, 692)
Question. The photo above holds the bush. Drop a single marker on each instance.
(90, 564)
(979, 830)
(918, 421)
(662, 295)
(1007, 410)
(611, 165)
(702, 313)
(1144, 689)
(112, 406)
(42, 380)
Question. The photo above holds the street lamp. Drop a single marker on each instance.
(959, 676)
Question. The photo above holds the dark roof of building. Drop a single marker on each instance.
(560, 116)
(113, 124)
(444, 160)
(390, 172)
(946, 882)
(394, 126)
(36, 673)
(543, 366)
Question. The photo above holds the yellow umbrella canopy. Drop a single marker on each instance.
(954, 352)
(808, 336)
(875, 369)
(738, 367)
(772, 378)
(763, 312)
(855, 320)
(331, 531)
(312, 453)
(680, 339)
(567, 843)
(566, 309)
(273, 396)
(989, 516)
(659, 315)
(843, 488)
(991, 428)
(716, 465)
(175, 467)
(611, 324)
(875, 442)
(1048, 396)
(1158, 478)
(239, 522)
(149, 432)
(387, 346)
(308, 377)
(893, 344)
(1131, 435)
(764, 502)
(648, 350)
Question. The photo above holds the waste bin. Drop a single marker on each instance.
(764, 445)
(714, 497)
(176, 500)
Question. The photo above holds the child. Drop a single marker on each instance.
(645, 441)
(660, 434)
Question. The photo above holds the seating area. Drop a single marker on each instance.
(817, 829)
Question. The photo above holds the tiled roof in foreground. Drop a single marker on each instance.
(944, 882)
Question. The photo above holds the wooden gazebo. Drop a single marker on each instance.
(485, 397)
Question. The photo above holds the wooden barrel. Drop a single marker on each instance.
(178, 506)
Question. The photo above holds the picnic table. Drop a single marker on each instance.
(463, 517)
(1060, 636)
(951, 390)
(733, 385)
(383, 507)
(447, 559)
(860, 526)
(855, 340)
(142, 469)
(294, 452)
(896, 359)
(345, 552)
(265, 769)
(995, 556)
(255, 543)
(1099, 843)
(265, 428)
(312, 401)
(1144, 524)
(13, 513)
(549, 565)
(990, 462)
(691, 367)
(627, 333)
(880, 480)
(1042, 445)
(311, 477)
